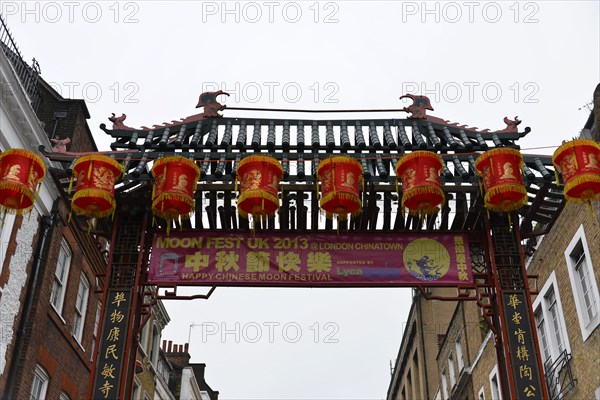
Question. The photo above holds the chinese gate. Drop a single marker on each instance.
(297, 247)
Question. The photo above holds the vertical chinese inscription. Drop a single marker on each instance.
(461, 258)
(522, 348)
(112, 345)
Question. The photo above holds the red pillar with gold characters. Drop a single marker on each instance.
(517, 343)
(21, 173)
(340, 178)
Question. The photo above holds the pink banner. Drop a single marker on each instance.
(315, 260)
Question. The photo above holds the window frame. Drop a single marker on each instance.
(541, 304)
(451, 372)
(586, 325)
(5, 233)
(62, 281)
(481, 394)
(460, 358)
(144, 336)
(136, 389)
(445, 391)
(41, 376)
(95, 331)
(154, 345)
(494, 377)
(80, 314)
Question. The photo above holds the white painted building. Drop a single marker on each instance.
(19, 128)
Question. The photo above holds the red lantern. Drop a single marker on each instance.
(340, 178)
(95, 190)
(259, 178)
(175, 181)
(21, 172)
(421, 189)
(579, 163)
(501, 172)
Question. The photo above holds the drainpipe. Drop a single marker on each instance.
(45, 228)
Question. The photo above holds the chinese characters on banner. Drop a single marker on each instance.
(522, 349)
(110, 361)
(323, 259)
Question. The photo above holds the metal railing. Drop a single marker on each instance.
(559, 377)
(28, 75)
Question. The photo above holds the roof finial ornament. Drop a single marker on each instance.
(59, 145)
(511, 126)
(118, 121)
(208, 100)
(418, 107)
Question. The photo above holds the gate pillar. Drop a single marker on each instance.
(116, 344)
(523, 375)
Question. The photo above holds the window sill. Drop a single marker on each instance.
(588, 330)
(58, 314)
(78, 343)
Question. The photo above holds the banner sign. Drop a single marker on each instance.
(314, 260)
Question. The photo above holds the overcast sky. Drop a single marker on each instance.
(477, 61)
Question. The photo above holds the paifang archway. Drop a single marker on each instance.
(496, 242)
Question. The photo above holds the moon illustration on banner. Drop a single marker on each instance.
(426, 259)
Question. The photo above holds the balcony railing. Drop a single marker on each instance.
(559, 376)
(28, 75)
